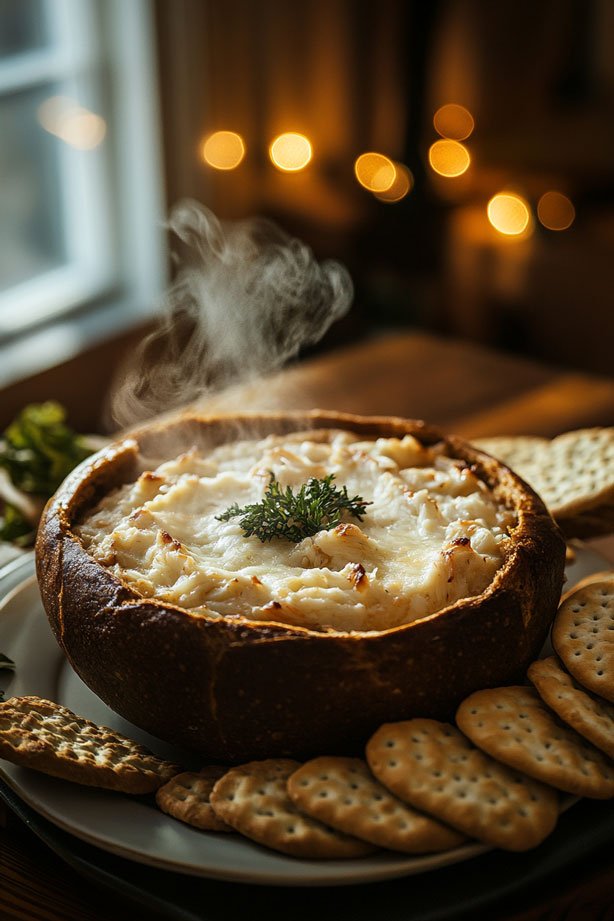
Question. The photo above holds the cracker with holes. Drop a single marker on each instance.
(253, 799)
(433, 767)
(592, 717)
(573, 473)
(583, 635)
(343, 793)
(186, 798)
(517, 451)
(39, 734)
(515, 726)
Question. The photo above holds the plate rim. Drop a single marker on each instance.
(349, 872)
(387, 864)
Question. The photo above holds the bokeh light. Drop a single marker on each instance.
(223, 150)
(72, 123)
(402, 185)
(375, 172)
(454, 122)
(509, 214)
(290, 152)
(449, 158)
(555, 211)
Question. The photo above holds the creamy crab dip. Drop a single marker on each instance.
(431, 534)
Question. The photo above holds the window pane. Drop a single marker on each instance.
(31, 219)
(23, 26)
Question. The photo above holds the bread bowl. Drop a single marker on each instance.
(233, 687)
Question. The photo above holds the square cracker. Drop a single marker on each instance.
(253, 798)
(573, 473)
(514, 725)
(47, 737)
(433, 767)
(343, 793)
(592, 717)
(583, 634)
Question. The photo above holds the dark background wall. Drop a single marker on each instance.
(538, 79)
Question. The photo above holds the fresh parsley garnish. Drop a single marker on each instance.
(38, 449)
(317, 506)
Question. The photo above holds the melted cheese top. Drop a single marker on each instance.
(432, 535)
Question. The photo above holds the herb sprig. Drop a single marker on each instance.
(317, 506)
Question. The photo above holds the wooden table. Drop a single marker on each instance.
(465, 389)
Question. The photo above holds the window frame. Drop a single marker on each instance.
(105, 51)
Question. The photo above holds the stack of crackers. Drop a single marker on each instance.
(573, 474)
(498, 776)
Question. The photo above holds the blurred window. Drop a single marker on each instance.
(65, 124)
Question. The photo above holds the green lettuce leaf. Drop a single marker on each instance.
(39, 450)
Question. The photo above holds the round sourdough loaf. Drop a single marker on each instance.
(234, 689)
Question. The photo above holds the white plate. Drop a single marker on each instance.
(132, 827)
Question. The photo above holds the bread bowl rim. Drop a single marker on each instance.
(72, 499)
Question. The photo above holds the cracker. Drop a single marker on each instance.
(593, 577)
(573, 473)
(253, 798)
(343, 793)
(514, 725)
(186, 798)
(583, 635)
(592, 717)
(514, 450)
(433, 767)
(39, 734)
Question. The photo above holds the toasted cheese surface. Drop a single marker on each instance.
(432, 535)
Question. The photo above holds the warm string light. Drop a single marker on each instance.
(375, 172)
(223, 150)
(389, 181)
(555, 211)
(290, 152)
(453, 122)
(402, 185)
(510, 214)
(449, 158)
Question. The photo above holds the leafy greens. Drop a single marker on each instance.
(39, 450)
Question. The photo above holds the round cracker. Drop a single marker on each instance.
(186, 797)
(433, 767)
(513, 725)
(253, 798)
(592, 717)
(583, 635)
(343, 793)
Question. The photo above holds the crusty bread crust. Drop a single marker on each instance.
(236, 690)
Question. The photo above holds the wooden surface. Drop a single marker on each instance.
(461, 387)
(466, 389)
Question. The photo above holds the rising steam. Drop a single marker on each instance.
(246, 299)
